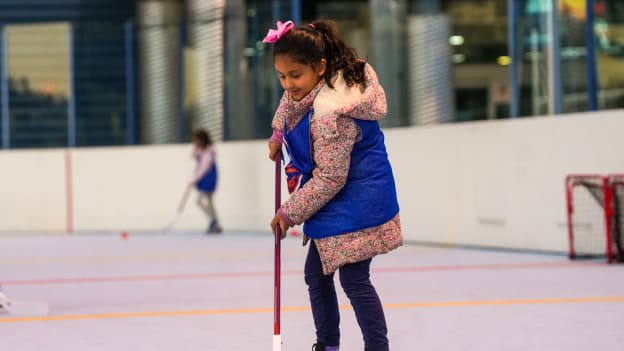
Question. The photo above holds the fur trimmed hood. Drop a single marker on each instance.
(361, 101)
(366, 101)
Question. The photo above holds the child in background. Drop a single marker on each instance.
(205, 177)
(341, 183)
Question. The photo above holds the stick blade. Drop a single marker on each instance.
(26, 309)
(169, 226)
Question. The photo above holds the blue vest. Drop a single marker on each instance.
(368, 198)
(208, 183)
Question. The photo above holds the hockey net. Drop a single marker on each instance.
(616, 185)
(595, 207)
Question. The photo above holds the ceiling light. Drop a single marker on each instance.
(504, 60)
(456, 40)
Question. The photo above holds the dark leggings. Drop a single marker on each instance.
(356, 284)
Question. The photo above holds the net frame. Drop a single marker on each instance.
(602, 193)
(616, 187)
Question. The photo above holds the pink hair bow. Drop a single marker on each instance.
(274, 34)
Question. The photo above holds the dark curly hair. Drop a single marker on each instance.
(202, 137)
(320, 40)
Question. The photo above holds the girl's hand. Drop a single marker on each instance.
(283, 225)
(274, 148)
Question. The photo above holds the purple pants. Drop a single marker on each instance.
(356, 284)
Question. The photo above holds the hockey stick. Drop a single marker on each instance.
(23, 308)
(277, 338)
(178, 214)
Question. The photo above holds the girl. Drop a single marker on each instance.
(205, 177)
(341, 183)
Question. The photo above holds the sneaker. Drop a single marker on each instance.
(320, 347)
(214, 228)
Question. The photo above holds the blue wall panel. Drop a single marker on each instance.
(100, 71)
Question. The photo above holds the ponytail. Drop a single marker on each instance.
(339, 56)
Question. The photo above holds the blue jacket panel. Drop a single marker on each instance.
(368, 198)
(208, 183)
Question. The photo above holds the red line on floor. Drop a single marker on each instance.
(140, 278)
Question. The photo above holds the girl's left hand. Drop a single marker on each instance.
(283, 225)
(274, 149)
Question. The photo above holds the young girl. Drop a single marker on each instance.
(341, 183)
(205, 177)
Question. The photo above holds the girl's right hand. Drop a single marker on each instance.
(274, 148)
(279, 222)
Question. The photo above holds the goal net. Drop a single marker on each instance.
(595, 207)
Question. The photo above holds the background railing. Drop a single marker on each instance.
(152, 71)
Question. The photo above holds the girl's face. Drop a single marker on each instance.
(298, 78)
(198, 143)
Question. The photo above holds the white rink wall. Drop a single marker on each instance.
(491, 183)
(32, 190)
(500, 183)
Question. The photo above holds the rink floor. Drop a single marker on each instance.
(188, 291)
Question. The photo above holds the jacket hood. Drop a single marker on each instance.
(365, 101)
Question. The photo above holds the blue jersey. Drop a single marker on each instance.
(208, 182)
(368, 198)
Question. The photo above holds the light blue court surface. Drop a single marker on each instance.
(189, 291)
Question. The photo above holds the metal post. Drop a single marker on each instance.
(207, 33)
(512, 13)
(275, 10)
(255, 34)
(157, 24)
(554, 83)
(535, 79)
(4, 82)
(296, 11)
(590, 43)
(71, 101)
(388, 20)
(130, 114)
(181, 82)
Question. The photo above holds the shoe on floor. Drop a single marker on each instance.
(214, 228)
(320, 347)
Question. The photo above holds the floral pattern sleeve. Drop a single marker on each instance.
(278, 118)
(332, 156)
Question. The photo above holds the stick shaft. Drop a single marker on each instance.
(184, 198)
(277, 343)
(278, 237)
